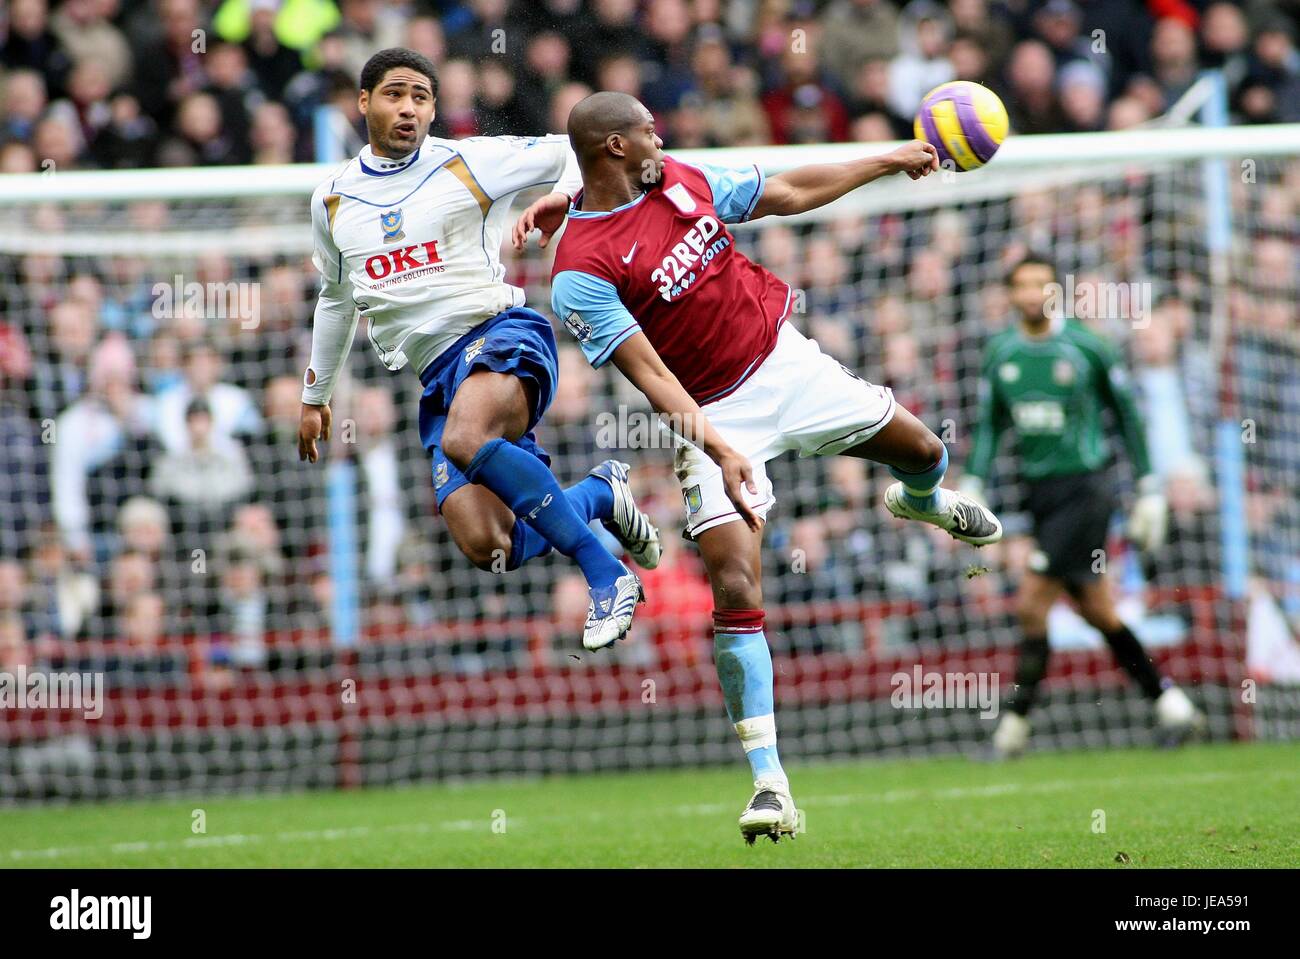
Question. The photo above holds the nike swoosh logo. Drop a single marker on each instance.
(630, 253)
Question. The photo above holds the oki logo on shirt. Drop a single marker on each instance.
(694, 252)
(396, 263)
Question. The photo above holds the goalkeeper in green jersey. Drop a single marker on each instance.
(1048, 379)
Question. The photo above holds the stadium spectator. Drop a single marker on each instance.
(801, 107)
(924, 32)
(666, 73)
(31, 43)
(202, 479)
(455, 117)
(24, 103)
(294, 493)
(725, 98)
(381, 501)
(1173, 55)
(1081, 89)
(855, 32)
(366, 27)
(86, 31)
(15, 649)
(169, 64)
(230, 407)
(870, 97)
(66, 597)
(1031, 89)
(100, 445)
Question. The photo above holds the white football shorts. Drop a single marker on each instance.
(798, 399)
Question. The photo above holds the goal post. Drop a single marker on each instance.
(257, 623)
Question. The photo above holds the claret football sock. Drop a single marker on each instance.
(527, 486)
(921, 490)
(744, 666)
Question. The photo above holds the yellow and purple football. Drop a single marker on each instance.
(964, 121)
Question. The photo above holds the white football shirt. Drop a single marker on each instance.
(414, 245)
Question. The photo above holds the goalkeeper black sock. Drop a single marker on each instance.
(1031, 667)
(1130, 654)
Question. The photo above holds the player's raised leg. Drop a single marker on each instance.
(731, 554)
(1177, 716)
(488, 415)
(918, 460)
(492, 538)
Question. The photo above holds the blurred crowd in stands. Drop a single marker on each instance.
(149, 480)
(134, 83)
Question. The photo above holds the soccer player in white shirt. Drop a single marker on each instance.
(409, 233)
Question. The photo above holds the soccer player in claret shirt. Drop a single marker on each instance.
(647, 275)
(1048, 378)
(409, 234)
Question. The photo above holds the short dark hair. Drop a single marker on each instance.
(377, 67)
(1031, 258)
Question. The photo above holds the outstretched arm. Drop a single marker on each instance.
(637, 359)
(334, 324)
(809, 187)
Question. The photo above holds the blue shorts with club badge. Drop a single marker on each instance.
(519, 342)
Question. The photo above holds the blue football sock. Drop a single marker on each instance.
(921, 490)
(745, 673)
(592, 498)
(524, 484)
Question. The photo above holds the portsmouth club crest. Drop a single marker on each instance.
(440, 475)
(392, 225)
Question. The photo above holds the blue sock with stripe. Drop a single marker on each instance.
(921, 490)
(744, 666)
(527, 486)
(590, 498)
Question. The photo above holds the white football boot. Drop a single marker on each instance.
(1178, 717)
(631, 527)
(770, 812)
(1011, 738)
(959, 515)
(609, 614)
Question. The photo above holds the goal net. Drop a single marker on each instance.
(184, 606)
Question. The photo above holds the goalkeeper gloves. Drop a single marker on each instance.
(1149, 522)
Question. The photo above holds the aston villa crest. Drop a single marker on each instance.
(681, 199)
(694, 500)
(392, 225)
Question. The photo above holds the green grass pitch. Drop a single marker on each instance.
(1208, 805)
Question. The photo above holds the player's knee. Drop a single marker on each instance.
(929, 450)
(736, 587)
(461, 441)
(922, 452)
